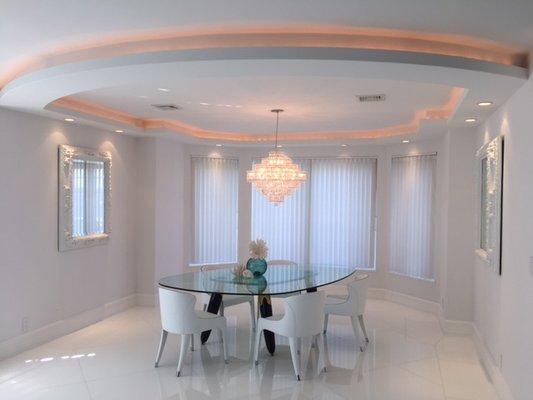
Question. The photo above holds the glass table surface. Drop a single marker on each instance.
(278, 279)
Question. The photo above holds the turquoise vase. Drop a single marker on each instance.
(258, 266)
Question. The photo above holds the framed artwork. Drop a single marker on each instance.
(489, 203)
(84, 197)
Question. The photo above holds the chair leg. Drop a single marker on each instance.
(321, 353)
(183, 351)
(363, 328)
(224, 344)
(326, 317)
(192, 342)
(252, 315)
(205, 307)
(258, 335)
(161, 347)
(222, 309)
(293, 343)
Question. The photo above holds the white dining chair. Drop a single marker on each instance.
(303, 318)
(351, 305)
(229, 300)
(179, 316)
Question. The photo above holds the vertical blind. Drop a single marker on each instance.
(87, 197)
(215, 191)
(285, 226)
(412, 208)
(343, 212)
(328, 220)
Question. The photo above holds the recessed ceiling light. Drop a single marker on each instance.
(279, 146)
(163, 89)
(218, 145)
(69, 119)
(119, 131)
(484, 103)
(344, 145)
(470, 120)
(405, 141)
(204, 104)
(228, 105)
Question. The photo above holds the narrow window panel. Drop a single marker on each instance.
(215, 202)
(412, 207)
(342, 212)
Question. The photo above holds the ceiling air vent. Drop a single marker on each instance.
(167, 107)
(365, 98)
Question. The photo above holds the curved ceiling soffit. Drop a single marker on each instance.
(85, 108)
(268, 36)
(505, 60)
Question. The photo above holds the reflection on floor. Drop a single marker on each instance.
(408, 358)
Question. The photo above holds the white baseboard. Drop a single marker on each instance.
(146, 300)
(404, 299)
(493, 370)
(63, 327)
(454, 327)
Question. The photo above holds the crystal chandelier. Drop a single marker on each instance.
(276, 176)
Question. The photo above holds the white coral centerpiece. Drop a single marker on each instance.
(240, 271)
(258, 249)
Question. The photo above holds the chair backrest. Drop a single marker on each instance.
(177, 310)
(357, 290)
(304, 314)
(281, 262)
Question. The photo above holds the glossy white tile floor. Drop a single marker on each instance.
(408, 358)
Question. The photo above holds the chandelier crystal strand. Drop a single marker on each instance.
(276, 176)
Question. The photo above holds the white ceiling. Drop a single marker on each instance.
(242, 104)
(317, 95)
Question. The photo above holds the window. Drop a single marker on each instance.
(84, 197)
(330, 219)
(412, 207)
(215, 203)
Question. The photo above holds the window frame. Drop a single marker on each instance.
(67, 154)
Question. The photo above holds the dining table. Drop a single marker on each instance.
(278, 280)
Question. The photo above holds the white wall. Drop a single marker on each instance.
(503, 311)
(37, 281)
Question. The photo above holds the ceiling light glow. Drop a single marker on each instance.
(69, 119)
(470, 120)
(163, 89)
(344, 145)
(218, 145)
(405, 141)
(119, 131)
(484, 103)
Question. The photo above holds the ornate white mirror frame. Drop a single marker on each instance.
(67, 155)
(489, 175)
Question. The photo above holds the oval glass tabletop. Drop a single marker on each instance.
(278, 279)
